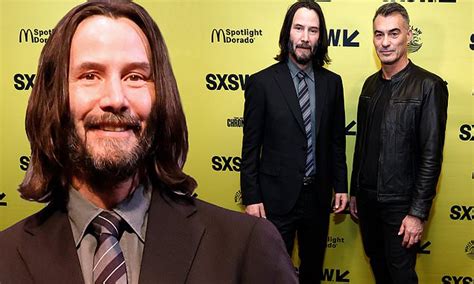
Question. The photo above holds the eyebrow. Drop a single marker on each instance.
(101, 67)
(390, 31)
(301, 25)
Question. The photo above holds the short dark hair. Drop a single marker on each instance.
(390, 8)
(321, 57)
(48, 115)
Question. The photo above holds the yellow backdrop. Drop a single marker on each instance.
(214, 46)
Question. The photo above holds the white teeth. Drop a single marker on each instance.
(113, 129)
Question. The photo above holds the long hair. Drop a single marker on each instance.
(48, 115)
(321, 57)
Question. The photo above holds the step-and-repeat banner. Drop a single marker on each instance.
(214, 46)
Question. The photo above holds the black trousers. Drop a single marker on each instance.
(310, 223)
(379, 225)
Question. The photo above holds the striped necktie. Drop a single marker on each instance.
(303, 98)
(109, 263)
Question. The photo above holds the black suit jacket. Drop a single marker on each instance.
(274, 143)
(186, 242)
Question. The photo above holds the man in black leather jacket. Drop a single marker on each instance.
(401, 120)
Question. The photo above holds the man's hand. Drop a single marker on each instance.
(340, 202)
(412, 229)
(256, 210)
(353, 207)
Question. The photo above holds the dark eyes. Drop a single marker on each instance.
(135, 77)
(89, 76)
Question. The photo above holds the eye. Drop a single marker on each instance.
(89, 76)
(135, 77)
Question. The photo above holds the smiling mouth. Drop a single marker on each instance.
(114, 127)
(113, 123)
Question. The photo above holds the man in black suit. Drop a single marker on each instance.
(108, 142)
(293, 152)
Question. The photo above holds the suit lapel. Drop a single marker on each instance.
(48, 248)
(285, 82)
(320, 85)
(171, 241)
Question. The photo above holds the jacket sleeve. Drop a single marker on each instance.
(265, 258)
(254, 121)
(339, 141)
(357, 147)
(431, 133)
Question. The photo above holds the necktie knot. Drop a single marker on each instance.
(109, 262)
(301, 75)
(108, 223)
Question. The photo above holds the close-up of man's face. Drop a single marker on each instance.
(304, 35)
(391, 38)
(111, 93)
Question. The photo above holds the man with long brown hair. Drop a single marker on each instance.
(109, 140)
(293, 149)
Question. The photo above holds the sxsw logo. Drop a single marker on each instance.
(24, 162)
(466, 132)
(23, 81)
(34, 35)
(232, 82)
(456, 279)
(235, 36)
(461, 213)
(421, 1)
(223, 163)
(335, 275)
(343, 37)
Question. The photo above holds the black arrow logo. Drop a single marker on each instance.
(341, 277)
(2, 203)
(349, 127)
(348, 40)
(422, 249)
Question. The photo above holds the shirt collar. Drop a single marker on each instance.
(400, 74)
(133, 210)
(294, 70)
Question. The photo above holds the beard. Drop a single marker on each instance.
(304, 59)
(108, 161)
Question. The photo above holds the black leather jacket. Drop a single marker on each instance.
(411, 136)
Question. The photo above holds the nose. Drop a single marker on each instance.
(305, 36)
(385, 41)
(113, 97)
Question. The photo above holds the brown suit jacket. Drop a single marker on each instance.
(186, 242)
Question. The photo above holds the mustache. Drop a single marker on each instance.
(304, 45)
(122, 120)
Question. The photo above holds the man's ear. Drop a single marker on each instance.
(410, 34)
